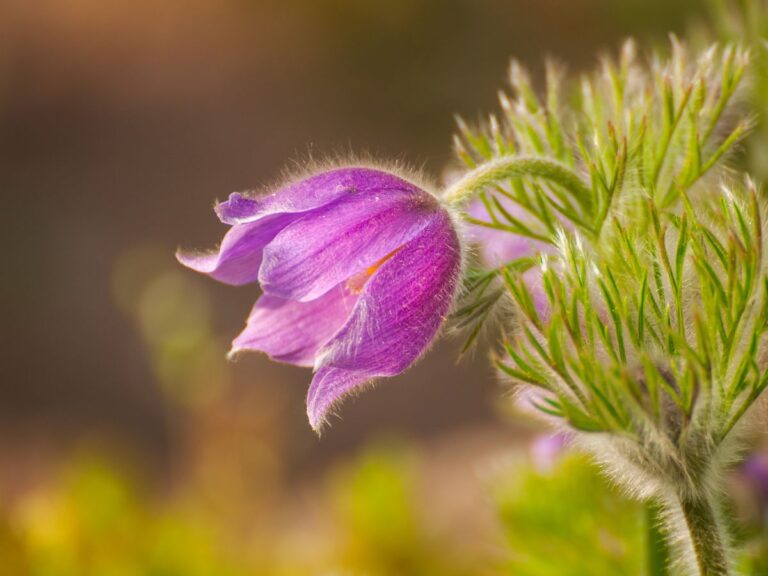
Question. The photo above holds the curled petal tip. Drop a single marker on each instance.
(330, 387)
(238, 258)
(322, 395)
(236, 208)
(204, 262)
(318, 423)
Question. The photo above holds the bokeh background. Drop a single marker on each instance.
(128, 444)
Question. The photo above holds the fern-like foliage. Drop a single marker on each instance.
(657, 327)
(659, 128)
(624, 134)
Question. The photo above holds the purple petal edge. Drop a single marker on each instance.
(238, 259)
(336, 383)
(309, 193)
(292, 332)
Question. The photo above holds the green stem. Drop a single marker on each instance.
(706, 537)
(501, 169)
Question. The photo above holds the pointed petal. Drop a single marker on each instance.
(309, 194)
(329, 245)
(238, 258)
(398, 315)
(292, 331)
(329, 386)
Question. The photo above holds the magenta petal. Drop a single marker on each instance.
(329, 386)
(398, 315)
(238, 258)
(329, 245)
(292, 331)
(309, 194)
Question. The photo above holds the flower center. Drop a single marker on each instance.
(356, 283)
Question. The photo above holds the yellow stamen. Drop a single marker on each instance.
(356, 283)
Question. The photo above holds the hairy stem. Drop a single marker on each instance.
(500, 169)
(706, 536)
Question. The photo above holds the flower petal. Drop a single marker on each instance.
(329, 386)
(292, 331)
(309, 194)
(329, 245)
(398, 315)
(238, 258)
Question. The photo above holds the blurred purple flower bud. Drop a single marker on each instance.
(358, 267)
(755, 469)
(547, 450)
(499, 247)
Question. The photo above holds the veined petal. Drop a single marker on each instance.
(238, 258)
(398, 315)
(309, 194)
(292, 331)
(329, 245)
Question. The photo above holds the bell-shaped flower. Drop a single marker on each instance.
(358, 268)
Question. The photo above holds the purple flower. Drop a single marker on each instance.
(358, 268)
(546, 451)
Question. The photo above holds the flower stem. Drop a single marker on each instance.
(500, 169)
(706, 536)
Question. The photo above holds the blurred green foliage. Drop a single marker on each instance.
(92, 518)
(382, 533)
(569, 521)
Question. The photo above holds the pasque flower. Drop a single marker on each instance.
(358, 269)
